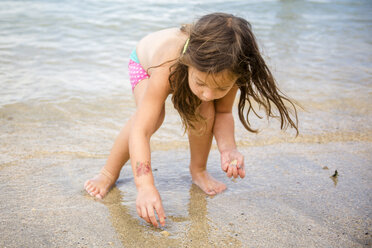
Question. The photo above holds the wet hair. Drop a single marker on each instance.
(221, 41)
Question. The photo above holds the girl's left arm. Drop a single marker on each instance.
(232, 161)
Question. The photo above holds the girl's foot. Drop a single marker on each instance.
(207, 183)
(99, 185)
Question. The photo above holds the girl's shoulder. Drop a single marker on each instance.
(160, 46)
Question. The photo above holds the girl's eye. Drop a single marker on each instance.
(199, 84)
(223, 89)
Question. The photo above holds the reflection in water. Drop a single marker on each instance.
(199, 229)
(193, 230)
(203, 232)
(129, 229)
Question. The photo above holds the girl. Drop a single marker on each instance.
(202, 65)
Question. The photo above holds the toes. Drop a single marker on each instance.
(211, 192)
(97, 187)
(87, 187)
(221, 187)
(87, 184)
(95, 192)
(218, 186)
(100, 193)
(90, 189)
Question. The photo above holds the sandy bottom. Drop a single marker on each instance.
(288, 199)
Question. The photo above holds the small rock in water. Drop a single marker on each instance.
(165, 233)
(325, 168)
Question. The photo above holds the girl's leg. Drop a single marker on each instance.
(199, 149)
(100, 184)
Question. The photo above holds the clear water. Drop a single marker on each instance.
(67, 61)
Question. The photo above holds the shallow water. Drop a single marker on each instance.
(67, 61)
(65, 91)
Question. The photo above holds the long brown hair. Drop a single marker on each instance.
(220, 41)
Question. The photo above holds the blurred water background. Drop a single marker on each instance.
(63, 67)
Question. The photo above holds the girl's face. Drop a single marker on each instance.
(210, 87)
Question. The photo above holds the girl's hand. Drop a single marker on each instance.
(232, 162)
(148, 201)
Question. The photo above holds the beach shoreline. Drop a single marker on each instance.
(288, 199)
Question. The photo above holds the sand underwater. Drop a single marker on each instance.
(65, 94)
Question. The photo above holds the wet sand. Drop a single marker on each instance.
(288, 199)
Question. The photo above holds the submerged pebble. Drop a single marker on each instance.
(165, 233)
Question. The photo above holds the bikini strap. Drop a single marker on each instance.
(185, 46)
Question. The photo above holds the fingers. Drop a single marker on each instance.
(159, 209)
(151, 215)
(235, 171)
(235, 168)
(139, 211)
(148, 214)
(241, 168)
(230, 171)
(144, 215)
(225, 167)
(241, 172)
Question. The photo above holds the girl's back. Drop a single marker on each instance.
(160, 46)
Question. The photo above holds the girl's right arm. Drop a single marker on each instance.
(144, 125)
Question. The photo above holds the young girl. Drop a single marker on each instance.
(202, 65)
